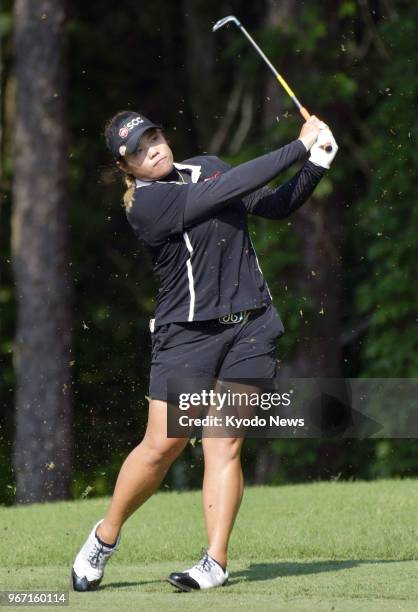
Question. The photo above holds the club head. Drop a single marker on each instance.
(224, 21)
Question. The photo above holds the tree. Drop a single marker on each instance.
(388, 214)
(42, 353)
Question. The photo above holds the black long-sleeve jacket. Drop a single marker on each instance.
(198, 235)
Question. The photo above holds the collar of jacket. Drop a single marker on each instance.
(195, 172)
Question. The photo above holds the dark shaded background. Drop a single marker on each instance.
(352, 63)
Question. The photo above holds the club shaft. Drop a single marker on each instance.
(303, 111)
(305, 114)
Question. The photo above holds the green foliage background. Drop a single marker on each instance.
(361, 75)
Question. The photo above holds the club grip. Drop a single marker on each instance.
(306, 115)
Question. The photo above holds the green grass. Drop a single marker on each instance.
(324, 546)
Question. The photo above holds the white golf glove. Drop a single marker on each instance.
(319, 156)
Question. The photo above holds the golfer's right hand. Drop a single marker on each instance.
(310, 131)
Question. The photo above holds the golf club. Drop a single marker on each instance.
(303, 111)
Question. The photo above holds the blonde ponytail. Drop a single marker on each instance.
(128, 179)
(128, 196)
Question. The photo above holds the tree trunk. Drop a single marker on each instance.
(318, 277)
(199, 62)
(42, 453)
(318, 350)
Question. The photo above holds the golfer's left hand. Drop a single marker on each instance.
(319, 156)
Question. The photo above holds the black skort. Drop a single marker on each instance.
(210, 349)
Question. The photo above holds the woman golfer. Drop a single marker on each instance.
(214, 316)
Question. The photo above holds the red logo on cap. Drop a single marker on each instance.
(123, 132)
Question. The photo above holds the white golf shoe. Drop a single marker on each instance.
(204, 575)
(89, 564)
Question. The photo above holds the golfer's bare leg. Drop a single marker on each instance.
(223, 486)
(223, 482)
(142, 471)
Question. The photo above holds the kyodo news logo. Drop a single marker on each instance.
(124, 131)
